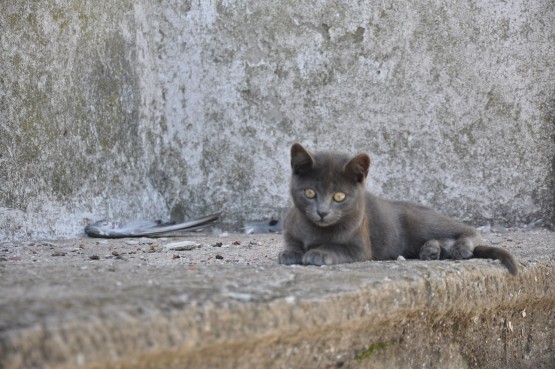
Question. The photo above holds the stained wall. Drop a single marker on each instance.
(176, 109)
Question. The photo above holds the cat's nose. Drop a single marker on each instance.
(322, 214)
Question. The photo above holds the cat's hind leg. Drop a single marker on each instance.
(466, 247)
(437, 249)
(431, 250)
(463, 248)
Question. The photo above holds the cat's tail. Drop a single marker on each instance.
(489, 252)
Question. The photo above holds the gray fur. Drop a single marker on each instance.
(363, 227)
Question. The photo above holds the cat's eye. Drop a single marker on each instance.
(339, 196)
(310, 193)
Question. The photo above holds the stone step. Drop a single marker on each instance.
(134, 304)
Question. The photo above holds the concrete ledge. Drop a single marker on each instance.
(137, 307)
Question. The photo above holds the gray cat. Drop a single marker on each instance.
(335, 220)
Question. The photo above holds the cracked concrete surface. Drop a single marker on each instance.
(89, 303)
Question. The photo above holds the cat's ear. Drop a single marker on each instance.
(357, 167)
(301, 160)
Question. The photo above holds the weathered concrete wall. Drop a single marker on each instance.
(140, 109)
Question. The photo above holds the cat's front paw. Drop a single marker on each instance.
(318, 257)
(290, 257)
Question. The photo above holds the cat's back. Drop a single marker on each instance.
(379, 209)
(386, 231)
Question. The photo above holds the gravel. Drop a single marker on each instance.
(199, 248)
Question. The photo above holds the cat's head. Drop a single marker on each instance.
(328, 187)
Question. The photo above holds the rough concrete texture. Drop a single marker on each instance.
(86, 303)
(177, 109)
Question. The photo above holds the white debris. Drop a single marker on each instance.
(181, 246)
(290, 299)
(243, 297)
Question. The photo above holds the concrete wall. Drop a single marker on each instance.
(147, 109)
